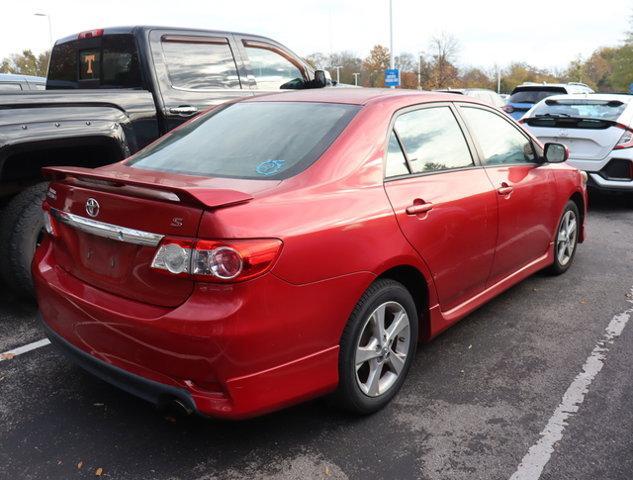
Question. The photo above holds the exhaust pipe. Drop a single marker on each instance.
(180, 407)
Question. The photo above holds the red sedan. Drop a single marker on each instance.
(298, 244)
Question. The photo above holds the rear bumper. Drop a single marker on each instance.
(230, 351)
(597, 182)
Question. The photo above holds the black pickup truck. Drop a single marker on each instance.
(110, 92)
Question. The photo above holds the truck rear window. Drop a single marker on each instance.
(110, 61)
(252, 140)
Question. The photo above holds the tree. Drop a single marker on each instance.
(374, 66)
(26, 63)
(477, 78)
(443, 48)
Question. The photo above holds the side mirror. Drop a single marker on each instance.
(555, 153)
(320, 79)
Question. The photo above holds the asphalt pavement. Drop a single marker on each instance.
(482, 401)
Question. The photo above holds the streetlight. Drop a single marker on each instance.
(50, 28)
(338, 72)
(356, 78)
(391, 57)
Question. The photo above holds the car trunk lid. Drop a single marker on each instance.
(110, 223)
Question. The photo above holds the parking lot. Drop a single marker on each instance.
(474, 404)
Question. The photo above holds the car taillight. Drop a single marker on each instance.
(508, 108)
(174, 256)
(626, 140)
(217, 260)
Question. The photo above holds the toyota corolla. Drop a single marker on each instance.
(299, 244)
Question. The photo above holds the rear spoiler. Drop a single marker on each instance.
(206, 198)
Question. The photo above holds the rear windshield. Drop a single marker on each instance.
(110, 61)
(532, 94)
(581, 109)
(253, 140)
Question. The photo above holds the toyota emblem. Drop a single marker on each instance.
(92, 207)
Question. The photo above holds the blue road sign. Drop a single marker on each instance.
(392, 77)
(631, 88)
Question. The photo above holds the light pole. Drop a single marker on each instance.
(356, 74)
(391, 56)
(50, 27)
(338, 72)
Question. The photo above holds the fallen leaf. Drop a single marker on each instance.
(583, 301)
(469, 347)
(79, 465)
(99, 472)
(6, 356)
(327, 470)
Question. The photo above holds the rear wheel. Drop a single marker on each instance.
(21, 227)
(377, 348)
(566, 239)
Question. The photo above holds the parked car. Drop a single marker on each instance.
(10, 82)
(597, 129)
(111, 92)
(527, 94)
(487, 96)
(298, 244)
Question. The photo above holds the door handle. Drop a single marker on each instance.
(418, 208)
(505, 189)
(183, 110)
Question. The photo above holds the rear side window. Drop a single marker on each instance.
(270, 69)
(200, 64)
(433, 140)
(254, 140)
(533, 95)
(396, 162)
(63, 71)
(501, 143)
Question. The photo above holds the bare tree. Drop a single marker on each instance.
(443, 49)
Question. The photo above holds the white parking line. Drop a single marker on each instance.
(532, 465)
(26, 348)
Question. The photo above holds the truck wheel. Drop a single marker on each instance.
(21, 227)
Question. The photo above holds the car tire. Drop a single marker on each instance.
(367, 386)
(565, 244)
(21, 225)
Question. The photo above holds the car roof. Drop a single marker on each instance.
(357, 96)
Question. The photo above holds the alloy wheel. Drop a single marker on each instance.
(566, 238)
(382, 349)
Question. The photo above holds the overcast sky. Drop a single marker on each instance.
(545, 33)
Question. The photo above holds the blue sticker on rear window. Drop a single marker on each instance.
(269, 167)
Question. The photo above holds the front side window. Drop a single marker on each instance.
(433, 140)
(270, 69)
(200, 65)
(253, 140)
(500, 142)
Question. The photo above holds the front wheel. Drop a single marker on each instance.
(566, 239)
(377, 348)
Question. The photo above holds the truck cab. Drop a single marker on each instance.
(109, 93)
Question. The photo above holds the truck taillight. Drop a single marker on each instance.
(97, 32)
(217, 260)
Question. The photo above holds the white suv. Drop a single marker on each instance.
(597, 129)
